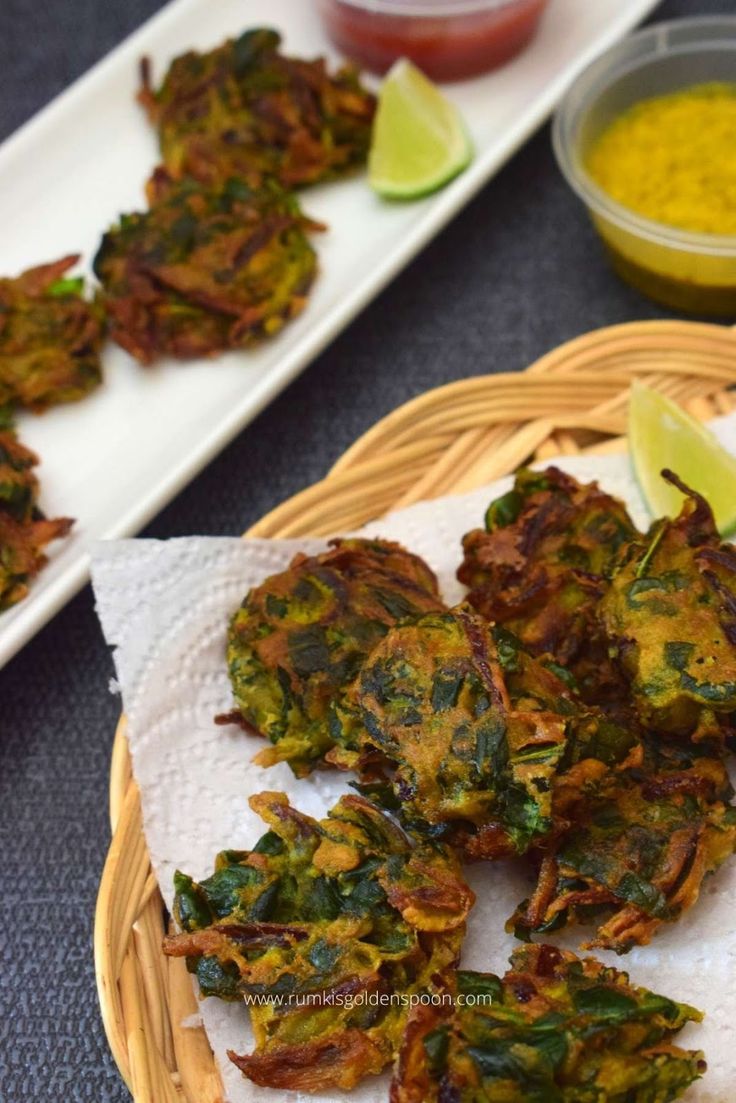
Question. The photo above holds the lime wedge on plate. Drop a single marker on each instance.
(419, 138)
(662, 434)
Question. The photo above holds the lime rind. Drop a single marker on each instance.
(663, 434)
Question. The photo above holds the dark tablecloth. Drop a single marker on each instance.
(515, 274)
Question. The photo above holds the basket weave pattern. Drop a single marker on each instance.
(449, 440)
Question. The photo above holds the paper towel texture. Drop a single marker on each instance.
(165, 606)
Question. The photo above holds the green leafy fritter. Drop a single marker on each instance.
(24, 532)
(473, 732)
(18, 482)
(205, 270)
(328, 927)
(554, 1029)
(670, 614)
(50, 338)
(299, 639)
(636, 855)
(245, 110)
(541, 565)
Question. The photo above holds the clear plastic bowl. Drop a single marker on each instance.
(447, 39)
(689, 271)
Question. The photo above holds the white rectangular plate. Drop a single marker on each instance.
(114, 460)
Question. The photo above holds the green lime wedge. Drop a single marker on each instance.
(419, 138)
(662, 434)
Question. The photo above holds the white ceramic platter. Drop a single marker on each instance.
(114, 460)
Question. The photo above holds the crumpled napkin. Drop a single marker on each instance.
(165, 606)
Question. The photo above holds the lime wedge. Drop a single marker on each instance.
(662, 434)
(419, 138)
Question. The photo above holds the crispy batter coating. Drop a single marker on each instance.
(205, 270)
(670, 613)
(554, 1029)
(245, 110)
(473, 730)
(18, 482)
(542, 563)
(50, 338)
(324, 921)
(637, 854)
(299, 639)
(24, 532)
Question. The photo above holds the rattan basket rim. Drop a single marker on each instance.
(463, 434)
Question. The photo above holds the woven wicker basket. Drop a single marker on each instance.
(448, 440)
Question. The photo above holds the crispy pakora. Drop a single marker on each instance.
(670, 614)
(554, 1029)
(245, 110)
(330, 927)
(542, 564)
(636, 856)
(205, 270)
(472, 729)
(299, 639)
(18, 482)
(24, 532)
(50, 338)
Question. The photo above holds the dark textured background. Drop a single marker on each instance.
(518, 272)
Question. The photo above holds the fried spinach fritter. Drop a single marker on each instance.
(637, 854)
(325, 922)
(473, 731)
(554, 1029)
(205, 270)
(18, 482)
(299, 639)
(50, 338)
(24, 532)
(670, 614)
(543, 562)
(245, 110)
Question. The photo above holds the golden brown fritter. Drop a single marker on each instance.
(554, 1029)
(18, 482)
(50, 338)
(670, 614)
(205, 270)
(636, 855)
(244, 110)
(333, 926)
(541, 565)
(472, 731)
(24, 532)
(299, 639)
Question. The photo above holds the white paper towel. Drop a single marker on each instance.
(165, 606)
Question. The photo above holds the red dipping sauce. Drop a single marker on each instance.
(447, 39)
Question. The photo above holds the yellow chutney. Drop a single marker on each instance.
(671, 161)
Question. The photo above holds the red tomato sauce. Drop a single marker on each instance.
(446, 46)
